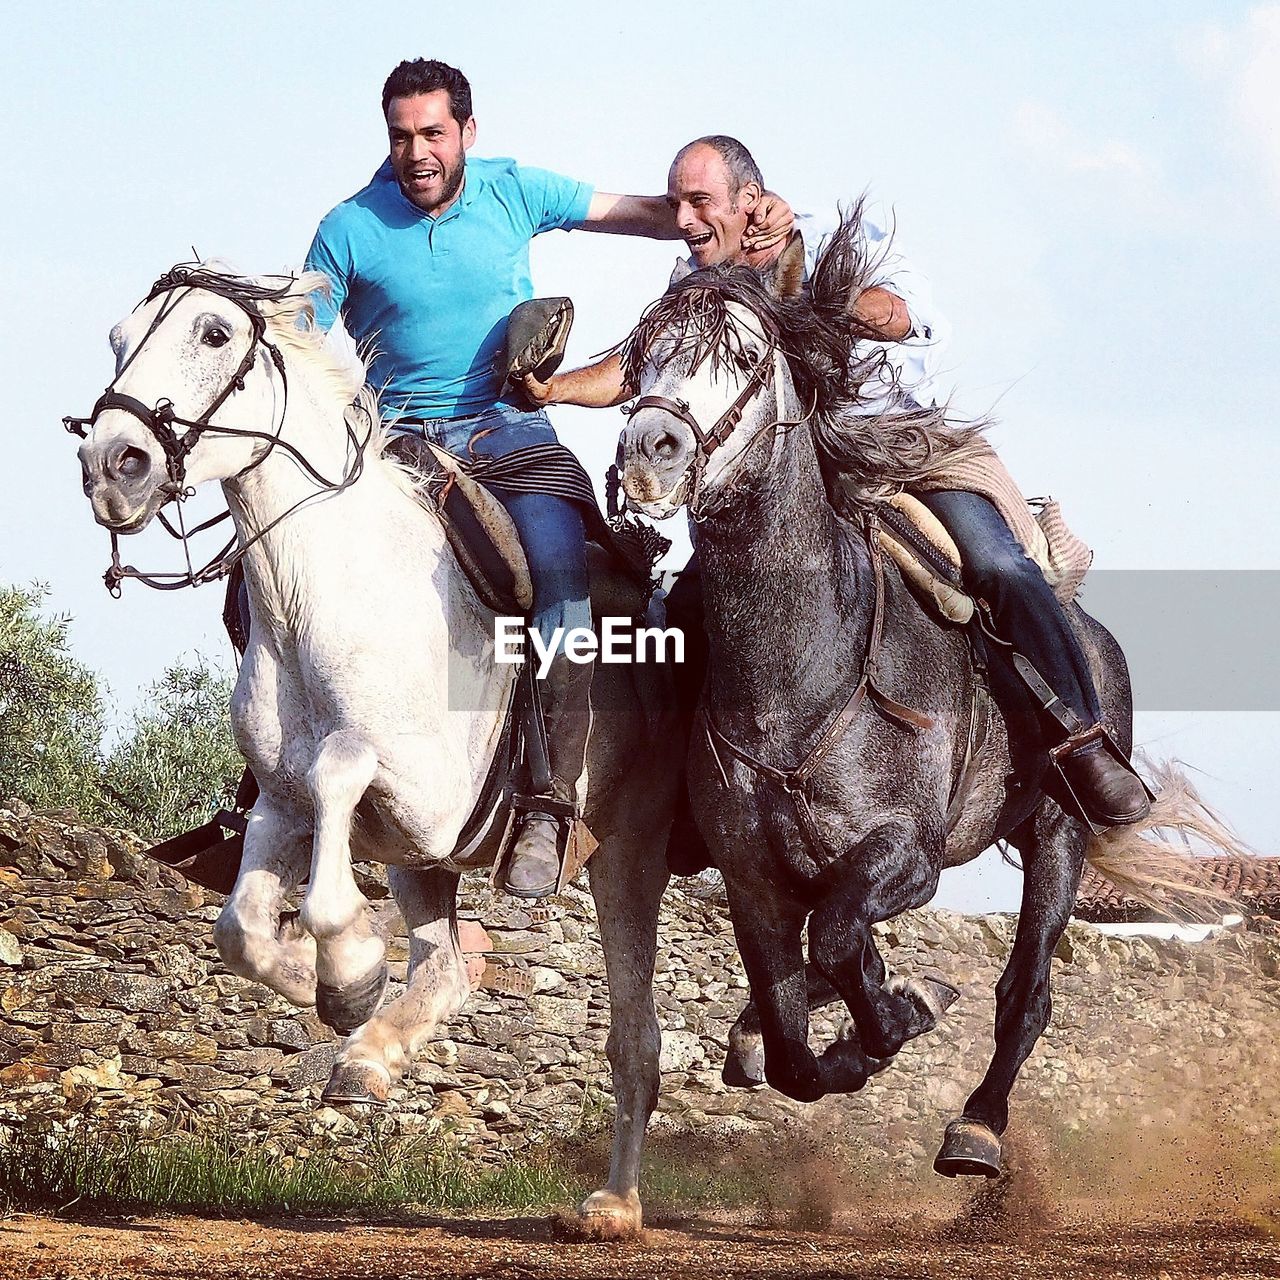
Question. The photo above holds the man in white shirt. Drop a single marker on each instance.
(714, 184)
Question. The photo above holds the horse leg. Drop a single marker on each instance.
(1053, 847)
(886, 874)
(767, 929)
(351, 970)
(375, 1056)
(627, 886)
(744, 1061)
(255, 937)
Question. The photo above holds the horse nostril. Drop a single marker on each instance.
(129, 464)
(659, 446)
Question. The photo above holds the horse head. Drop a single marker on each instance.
(199, 392)
(711, 365)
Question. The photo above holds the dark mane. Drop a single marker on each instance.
(248, 291)
(870, 455)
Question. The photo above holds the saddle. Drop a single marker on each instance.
(484, 540)
(925, 553)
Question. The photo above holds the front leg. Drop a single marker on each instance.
(377, 1054)
(351, 969)
(768, 930)
(256, 937)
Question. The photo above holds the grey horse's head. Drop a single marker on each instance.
(709, 361)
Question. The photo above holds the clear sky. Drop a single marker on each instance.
(1093, 190)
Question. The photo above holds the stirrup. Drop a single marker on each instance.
(1060, 754)
(574, 841)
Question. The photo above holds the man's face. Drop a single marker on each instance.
(428, 149)
(711, 221)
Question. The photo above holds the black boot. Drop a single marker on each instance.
(533, 870)
(1110, 792)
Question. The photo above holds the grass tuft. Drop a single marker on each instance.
(91, 1172)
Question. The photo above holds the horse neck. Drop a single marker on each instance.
(301, 572)
(784, 597)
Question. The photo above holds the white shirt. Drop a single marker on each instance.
(916, 361)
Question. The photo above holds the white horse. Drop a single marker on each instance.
(368, 702)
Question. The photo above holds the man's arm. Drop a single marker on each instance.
(631, 216)
(596, 386)
(880, 315)
(651, 216)
(321, 257)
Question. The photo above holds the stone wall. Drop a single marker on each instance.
(114, 1007)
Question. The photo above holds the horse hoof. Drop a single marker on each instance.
(357, 1082)
(744, 1064)
(968, 1147)
(930, 993)
(605, 1215)
(346, 1008)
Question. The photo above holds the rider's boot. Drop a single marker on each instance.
(533, 869)
(1027, 618)
(1108, 790)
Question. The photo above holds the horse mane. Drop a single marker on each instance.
(871, 455)
(286, 305)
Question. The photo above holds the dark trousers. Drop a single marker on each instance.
(1026, 612)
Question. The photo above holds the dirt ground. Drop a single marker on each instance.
(1088, 1240)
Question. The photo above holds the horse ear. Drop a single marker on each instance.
(680, 271)
(788, 271)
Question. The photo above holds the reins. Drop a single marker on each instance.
(161, 421)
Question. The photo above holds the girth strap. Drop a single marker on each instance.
(795, 782)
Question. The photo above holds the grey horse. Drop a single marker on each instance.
(845, 752)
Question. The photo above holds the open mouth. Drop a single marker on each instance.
(698, 242)
(423, 177)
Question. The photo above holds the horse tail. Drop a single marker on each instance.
(1155, 861)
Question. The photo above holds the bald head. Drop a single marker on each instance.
(712, 188)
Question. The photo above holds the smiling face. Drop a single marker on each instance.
(710, 215)
(428, 149)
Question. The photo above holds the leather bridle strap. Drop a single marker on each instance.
(709, 441)
(796, 781)
(162, 420)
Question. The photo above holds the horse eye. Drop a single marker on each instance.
(216, 337)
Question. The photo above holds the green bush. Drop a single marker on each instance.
(180, 761)
(51, 710)
(175, 763)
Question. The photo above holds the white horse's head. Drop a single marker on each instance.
(708, 359)
(199, 392)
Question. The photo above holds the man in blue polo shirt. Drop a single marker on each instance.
(427, 262)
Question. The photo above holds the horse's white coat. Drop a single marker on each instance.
(368, 702)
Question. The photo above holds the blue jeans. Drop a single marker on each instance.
(550, 528)
(1027, 614)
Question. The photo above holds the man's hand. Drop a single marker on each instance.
(771, 223)
(597, 386)
(539, 394)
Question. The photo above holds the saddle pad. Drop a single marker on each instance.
(929, 560)
(483, 537)
(485, 542)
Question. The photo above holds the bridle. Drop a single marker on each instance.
(706, 442)
(162, 422)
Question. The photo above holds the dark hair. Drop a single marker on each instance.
(737, 160)
(426, 75)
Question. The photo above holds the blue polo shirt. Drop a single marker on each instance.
(430, 296)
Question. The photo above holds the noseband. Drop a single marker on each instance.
(161, 421)
(707, 442)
